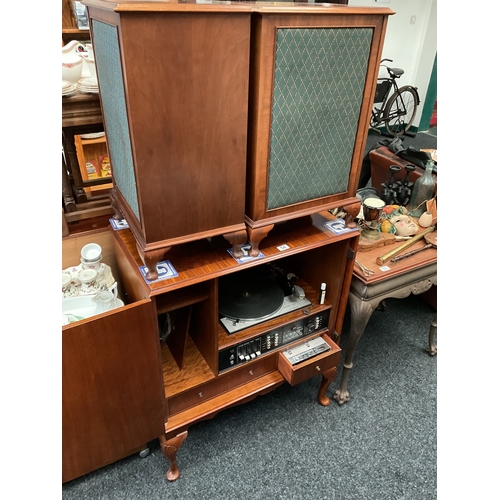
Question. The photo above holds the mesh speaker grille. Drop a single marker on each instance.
(319, 81)
(107, 55)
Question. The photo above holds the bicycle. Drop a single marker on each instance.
(396, 110)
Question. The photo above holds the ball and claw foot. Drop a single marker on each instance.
(431, 350)
(341, 396)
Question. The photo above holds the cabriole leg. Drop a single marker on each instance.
(170, 447)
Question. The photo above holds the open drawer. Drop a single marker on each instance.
(318, 364)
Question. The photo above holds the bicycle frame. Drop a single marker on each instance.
(383, 92)
(393, 106)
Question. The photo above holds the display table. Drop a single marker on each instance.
(413, 275)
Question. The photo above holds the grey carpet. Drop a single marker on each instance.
(381, 445)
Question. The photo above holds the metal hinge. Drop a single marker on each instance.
(351, 254)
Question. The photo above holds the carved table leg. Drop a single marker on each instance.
(361, 312)
(237, 240)
(327, 377)
(170, 447)
(255, 236)
(431, 349)
(151, 259)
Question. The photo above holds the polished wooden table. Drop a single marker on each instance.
(412, 275)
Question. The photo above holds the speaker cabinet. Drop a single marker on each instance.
(223, 118)
(173, 81)
(313, 76)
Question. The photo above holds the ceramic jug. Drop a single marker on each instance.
(72, 62)
(106, 300)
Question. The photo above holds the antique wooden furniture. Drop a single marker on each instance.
(412, 275)
(227, 118)
(124, 384)
(176, 93)
(81, 114)
(70, 29)
(198, 380)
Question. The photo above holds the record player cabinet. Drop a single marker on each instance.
(224, 118)
(195, 387)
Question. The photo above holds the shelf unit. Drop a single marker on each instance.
(190, 186)
(90, 150)
(70, 30)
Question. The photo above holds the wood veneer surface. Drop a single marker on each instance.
(209, 258)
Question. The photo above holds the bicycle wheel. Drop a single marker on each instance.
(400, 111)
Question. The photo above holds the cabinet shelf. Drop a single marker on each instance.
(202, 260)
(98, 140)
(196, 370)
(75, 31)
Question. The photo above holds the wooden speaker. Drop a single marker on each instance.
(313, 79)
(226, 118)
(174, 94)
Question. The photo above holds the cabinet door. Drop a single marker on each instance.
(111, 386)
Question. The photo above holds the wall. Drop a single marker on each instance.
(412, 47)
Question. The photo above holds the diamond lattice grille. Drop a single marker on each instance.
(107, 54)
(320, 77)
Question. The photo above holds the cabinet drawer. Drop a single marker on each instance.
(295, 374)
(223, 383)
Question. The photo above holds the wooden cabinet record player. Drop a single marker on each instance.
(224, 118)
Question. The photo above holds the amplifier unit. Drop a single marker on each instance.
(272, 339)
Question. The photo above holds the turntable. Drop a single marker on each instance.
(250, 297)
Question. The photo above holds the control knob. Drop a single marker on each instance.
(311, 326)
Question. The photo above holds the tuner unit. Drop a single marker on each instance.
(271, 340)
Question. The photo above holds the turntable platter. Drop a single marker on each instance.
(250, 299)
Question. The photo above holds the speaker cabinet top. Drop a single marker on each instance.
(232, 6)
